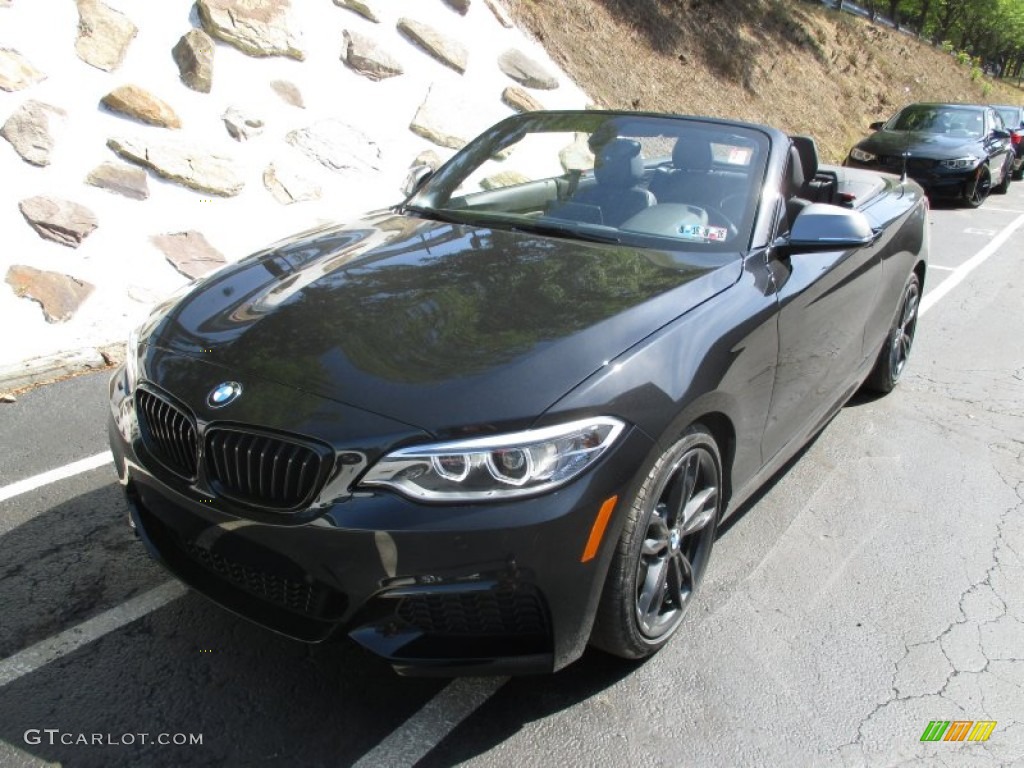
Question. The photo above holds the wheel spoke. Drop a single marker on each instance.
(657, 540)
(699, 510)
(684, 477)
(909, 311)
(674, 500)
(903, 335)
(652, 593)
(679, 581)
(898, 359)
(690, 475)
(654, 547)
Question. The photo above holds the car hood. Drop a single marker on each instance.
(933, 145)
(438, 325)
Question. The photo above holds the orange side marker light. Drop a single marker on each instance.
(597, 532)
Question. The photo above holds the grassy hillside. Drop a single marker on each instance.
(796, 65)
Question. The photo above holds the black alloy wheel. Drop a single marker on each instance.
(976, 191)
(896, 350)
(664, 549)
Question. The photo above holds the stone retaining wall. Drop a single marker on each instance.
(145, 144)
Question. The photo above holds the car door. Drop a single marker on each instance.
(997, 145)
(824, 302)
(1016, 128)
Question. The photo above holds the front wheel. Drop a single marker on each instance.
(976, 191)
(892, 359)
(664, 549)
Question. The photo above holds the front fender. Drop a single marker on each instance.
(717, 360)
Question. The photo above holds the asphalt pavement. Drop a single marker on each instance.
(875, 586)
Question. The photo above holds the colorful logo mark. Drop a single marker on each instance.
(958, 730)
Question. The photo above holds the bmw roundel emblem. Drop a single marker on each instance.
(223, 394)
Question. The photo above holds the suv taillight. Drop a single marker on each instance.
(1016, 136)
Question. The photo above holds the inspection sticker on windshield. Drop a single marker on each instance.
(707, 234)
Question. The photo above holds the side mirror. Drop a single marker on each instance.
(823, 227)
(418, 175)
(877, 125)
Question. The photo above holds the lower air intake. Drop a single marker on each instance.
(486, 613)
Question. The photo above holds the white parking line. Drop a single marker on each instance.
(935, 295)
(944, 269)
(413, 739)
(54, 475)
(1001, 210)
(42, 653)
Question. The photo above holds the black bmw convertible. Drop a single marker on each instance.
(504, 419)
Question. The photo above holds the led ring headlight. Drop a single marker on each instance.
(498, 466)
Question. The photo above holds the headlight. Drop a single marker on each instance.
(131, 360)
(496, 467)
(861, 156)
(960, 163)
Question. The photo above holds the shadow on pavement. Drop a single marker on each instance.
(189, 667)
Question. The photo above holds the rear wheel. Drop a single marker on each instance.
(976, 191)
(1018, 174)
(892, 359)
(664, 549)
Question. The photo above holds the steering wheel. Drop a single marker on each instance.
(717, 213)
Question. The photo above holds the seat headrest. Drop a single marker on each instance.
(619, 163)
(692, 153)
(794, 173)
(808, 151)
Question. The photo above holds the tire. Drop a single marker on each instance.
(664, 549)
(976, 191)
(1018, 174)
(892, 359)
(1004, 184)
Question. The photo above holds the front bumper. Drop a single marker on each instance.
(936, 180)
(469, 589)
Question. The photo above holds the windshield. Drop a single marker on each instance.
(663, 182)
(958, 122)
